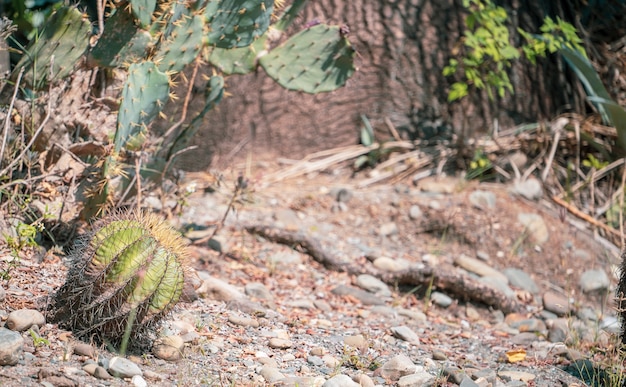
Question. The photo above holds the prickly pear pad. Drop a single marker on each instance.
(237, 23)
(315, 60)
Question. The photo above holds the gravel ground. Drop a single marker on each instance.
(268, 313)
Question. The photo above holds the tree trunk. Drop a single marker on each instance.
(402, 47)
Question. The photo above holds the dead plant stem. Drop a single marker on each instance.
(7, 121)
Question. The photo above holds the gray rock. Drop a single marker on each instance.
(366, 298)
(278, 343)
(415, 212)
(478, 267)
(219, 244)
(169, 348)
(558, 330)
(416, 380)
(322, 305)
(271, 374)
(138, 381)
(486, 374)
(483, 199)
(331, 361)
(217, 289)
(390, 264)
(258, 290)
(441, 299)
(84, 349)
(611, 324)
(535, 226)
(454, 374)
(356, 341)
(525, 338)
(531, 189)
(594, 281)
(96, 371)
(340, 381)
(416, 315)
(528, 325)
(556, 303)
(22, 319)
(315, 360)
(405, 333)
(509, 375)
(388, 229)
(468, 382)
(363, 380)
(11, 344)
(123, 368)
(373, 284)
(521, 279)
(300, 381)
(399, 366)
(3, 294)
(243, 321)
(300, 304)
(499, 284)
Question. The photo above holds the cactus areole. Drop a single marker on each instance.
(127, 275)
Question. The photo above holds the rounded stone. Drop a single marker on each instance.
(123, 368)
(11, 344)
(22, 319)
(278, 343)
(169, 348)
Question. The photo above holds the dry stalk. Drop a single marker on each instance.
(7, 121)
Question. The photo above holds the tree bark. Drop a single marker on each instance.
(402, 47)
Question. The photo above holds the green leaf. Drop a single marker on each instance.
(457, 91)
(611, 112)
(367, 132)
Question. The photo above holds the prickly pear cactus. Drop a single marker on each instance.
(317, 59)
(124, 278)
(62, 43)
(145, 93)
(121, 43)
(242, 60)
(237, 23)
(143, 10)
(182, 46)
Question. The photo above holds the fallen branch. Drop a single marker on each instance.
(454, 282)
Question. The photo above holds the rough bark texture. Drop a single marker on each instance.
(402, 48)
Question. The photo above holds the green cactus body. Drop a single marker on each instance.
(121, 43)
(241, 60)
(317, 59)
(143, 10)
(237, 23)
(62, 43)
(132, 266)
(145, 93)
(182, 46)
